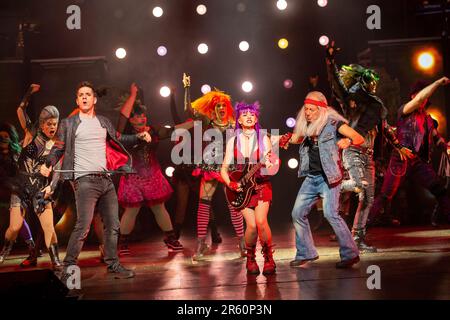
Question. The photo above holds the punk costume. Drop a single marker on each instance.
(354, 88)
(27, 186)
(215, 112)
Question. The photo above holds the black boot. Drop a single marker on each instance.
(359, 235)
(54, 256)
(31, 260)
(171, 242)
(7, 247)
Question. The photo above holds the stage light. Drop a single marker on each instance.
(158, 12)
(167, 126)
(241, 7)
(247, 86)
(202, 48)
(121, 53)
(164, 91)
(288, 83)
(169, 171)
(290, 122)
(201, 9)
(244, 46)
(425, 60)
(323, 40)
(322, 3)
(283, 43)
(162, 51)
(205, 89)
(293, 163)
(281, 4)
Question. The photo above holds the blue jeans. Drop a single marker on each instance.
(312, 188)
(92, 191)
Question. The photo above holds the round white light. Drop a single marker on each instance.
(201, 9)
(121, 53)
(290, 122)
(247, 86)
(241, 7)
(288, 83)
(162, 51)
(164, 91)
(293, 163)
(244, 46)
(157, 12)
(202, 48)
(205, 89)
(322, 3)
(323, 40)
(281, 4)
(169, 171)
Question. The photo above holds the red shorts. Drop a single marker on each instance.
(262, 192)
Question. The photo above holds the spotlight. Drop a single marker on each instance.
(205, 89)
(288, 83)
(293, 163)
(164, 91)
(162, 51)
(241, 7)
(202, 48)
(244, 46)
(425, 60)
(322, 3)
(169, 171)
(158, 12)
(247, 86)
(323, 40)
(283, 43)
(281, 4)
(121, 53)
(167, 126)
(290, 122)
(201, 9)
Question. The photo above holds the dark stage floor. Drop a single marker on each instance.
(414, 264)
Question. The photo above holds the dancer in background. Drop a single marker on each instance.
(31, 191)
(215, 111)
(416, 131)
(355, 89)
(148, 186)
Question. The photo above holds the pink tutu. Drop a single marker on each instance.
(138, 190)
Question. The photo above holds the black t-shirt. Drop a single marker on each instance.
(315, 165)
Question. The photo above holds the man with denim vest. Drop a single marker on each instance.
(416, 131)
(91, 147)
(317, 130)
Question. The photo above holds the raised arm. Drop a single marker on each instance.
(423, 95)
(337, 86)
(187, 95)
(173, 108)
(127, 108)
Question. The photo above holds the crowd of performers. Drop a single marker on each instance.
(85, 149)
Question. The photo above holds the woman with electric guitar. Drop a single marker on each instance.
(249, 188)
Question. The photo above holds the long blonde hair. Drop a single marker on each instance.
(313, 129)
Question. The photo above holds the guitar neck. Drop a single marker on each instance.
(252, 171)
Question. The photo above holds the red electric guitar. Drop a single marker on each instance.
(247, 180)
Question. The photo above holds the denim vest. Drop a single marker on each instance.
(328, 151)
(409, 135)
